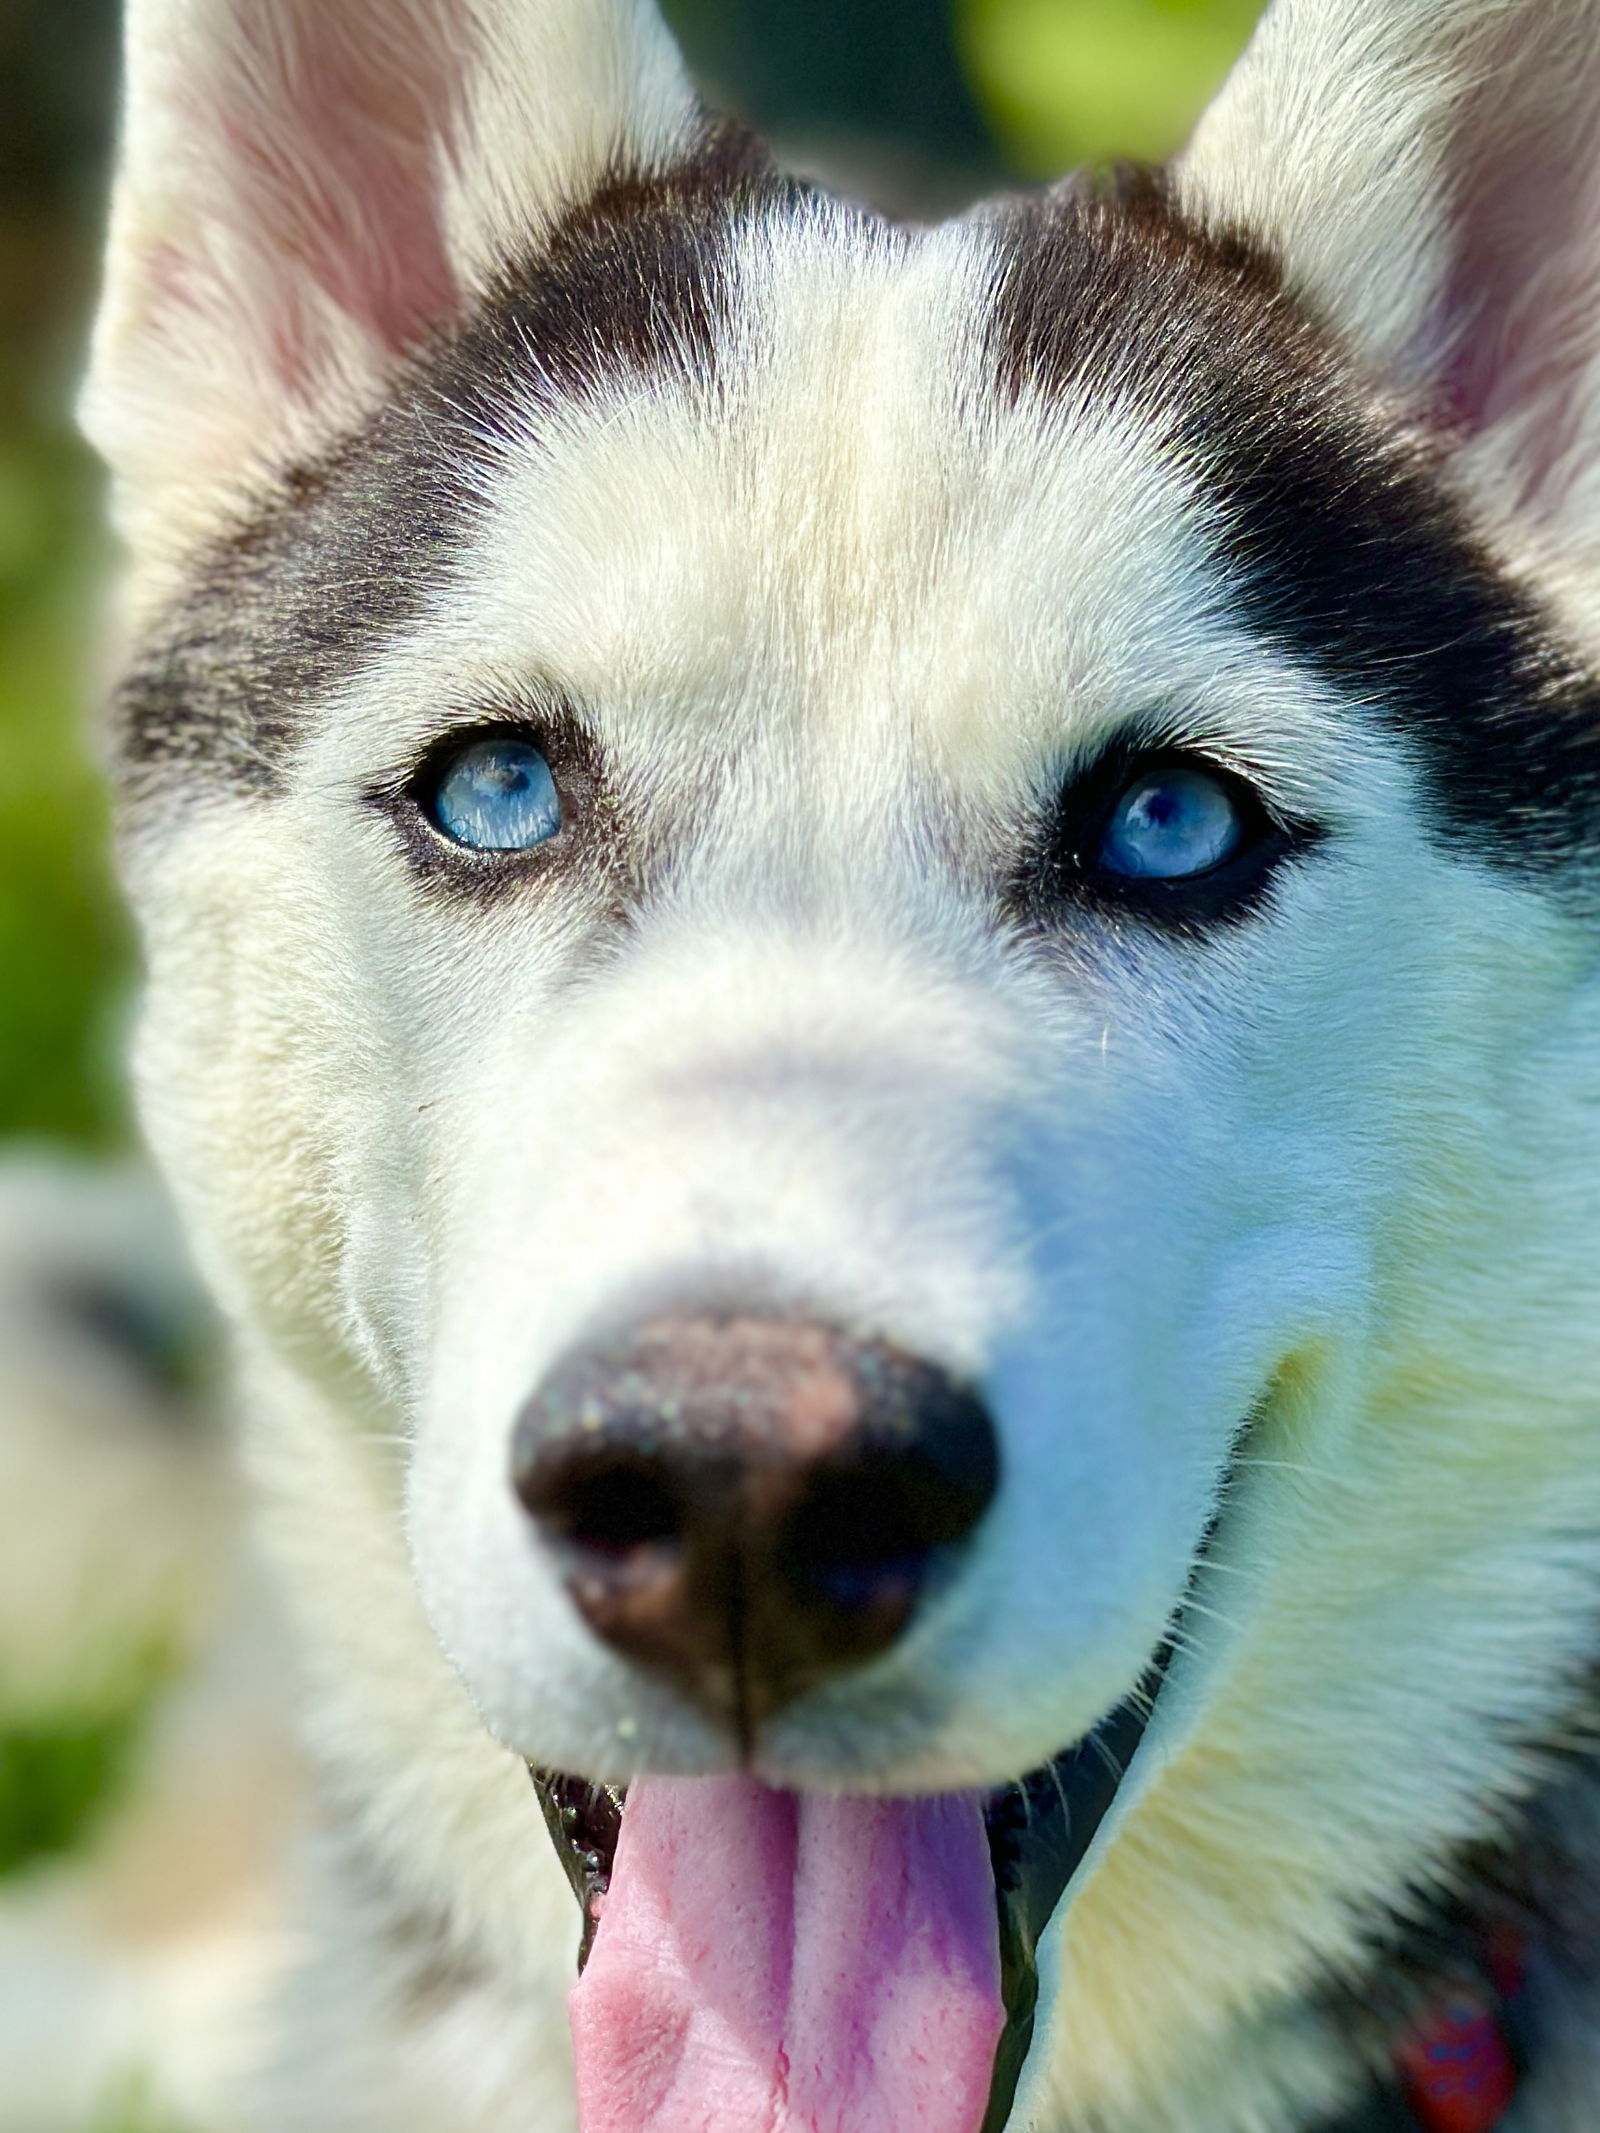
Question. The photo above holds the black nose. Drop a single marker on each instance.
(751, 1505)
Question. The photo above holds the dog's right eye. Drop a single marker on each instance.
(495, 795)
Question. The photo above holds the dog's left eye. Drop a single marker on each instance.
(496, 795)
(1172, 824)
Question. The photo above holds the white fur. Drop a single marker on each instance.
(838, 629)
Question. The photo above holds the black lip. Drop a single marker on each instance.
(1039, 1829)
(584, 1821)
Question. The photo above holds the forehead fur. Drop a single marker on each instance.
(1330, 533)
(836, 547)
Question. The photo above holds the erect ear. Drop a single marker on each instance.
(1428, 172)
(309, 188)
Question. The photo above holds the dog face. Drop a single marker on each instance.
(1019, 795)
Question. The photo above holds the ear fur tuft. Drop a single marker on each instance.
(1428, 171)
(309, 188)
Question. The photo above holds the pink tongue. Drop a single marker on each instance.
(773, 1962)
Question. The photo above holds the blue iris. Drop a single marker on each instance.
(1172, 824)
(498, 796)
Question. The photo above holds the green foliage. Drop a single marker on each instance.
(63, 944)
(1066, 82)
(130, 2107)
(56, 1782)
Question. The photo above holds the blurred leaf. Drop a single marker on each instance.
(55, 1785)
(130, 2106)
(1067, 82)
(63, 942)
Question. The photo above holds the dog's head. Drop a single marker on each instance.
(883, 931)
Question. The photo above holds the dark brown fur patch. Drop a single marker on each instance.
(293, 598)
(1342, 543)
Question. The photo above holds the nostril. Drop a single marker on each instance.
(852, 1524)
(853, 1548)
(873, 1528)
(608, 1505)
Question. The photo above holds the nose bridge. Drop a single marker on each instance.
(807, 997)
(760, 1118)
(828, 829)
(826, 1103)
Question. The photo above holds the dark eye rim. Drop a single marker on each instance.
(1062, 867)
(408, 799)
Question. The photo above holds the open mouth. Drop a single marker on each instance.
(1038, 1831)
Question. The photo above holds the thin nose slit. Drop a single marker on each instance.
(751, 1506)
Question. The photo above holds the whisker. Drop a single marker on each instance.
(1211, 1614)
(1061, 1794)
(1297, 1467)
(1107, 1759)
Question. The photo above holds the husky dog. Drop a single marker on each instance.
(872, 980)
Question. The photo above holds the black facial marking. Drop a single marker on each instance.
(628, 285)
(1339, 538)
(292, 599)
(1341, 542)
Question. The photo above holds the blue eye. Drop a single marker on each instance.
(497, 796)
(1172, 824)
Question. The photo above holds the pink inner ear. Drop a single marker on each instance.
(1520, 324)
(335, 127)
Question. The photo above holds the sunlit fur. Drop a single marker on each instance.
(1308, 1202)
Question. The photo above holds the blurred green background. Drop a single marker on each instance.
(928, 101)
